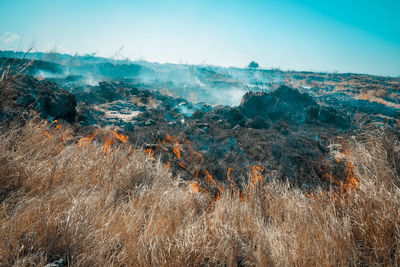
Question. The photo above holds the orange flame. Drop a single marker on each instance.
(212, 181)
(351, 181)
(228, 174)
(110, 138)
(46, 133)
(196, 187)
(167, 138)
(229, 178)
(192, 161)
(150, 152)
(120, 137)
(66, 137)
(199, 155)
(84, 141)
(107, 145)
(218, 195)
(182, 165)
(256, 174)
(177, 152)
(58, 126)
(210, 178)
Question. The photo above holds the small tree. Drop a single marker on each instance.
(253, 65)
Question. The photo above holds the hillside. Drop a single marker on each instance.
(107, 162)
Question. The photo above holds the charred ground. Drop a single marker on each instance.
(290, 126)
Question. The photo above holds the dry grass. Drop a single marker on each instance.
(60, 200)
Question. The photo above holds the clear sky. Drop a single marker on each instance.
(340, 35)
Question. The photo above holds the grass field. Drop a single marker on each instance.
(64, 200)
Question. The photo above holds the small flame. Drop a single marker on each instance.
(196, 187)
(66, 137)
(84, 141)
(177, 152)
(107, 145)
(351, 181)
(167, 138)
(231, 183)
(210, 178)
(46, 133)
(256, 174)
(228, 174)
(150, 152)
(110, 138)
(199, 155)
(182, 165)
(241, 196)
(212, 181)
(192, 161)
(120, 137)
(218, 195)
(348, 184)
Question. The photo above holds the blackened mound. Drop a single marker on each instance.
(20, 92)
(289, 105)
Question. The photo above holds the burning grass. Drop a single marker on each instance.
(64, 200)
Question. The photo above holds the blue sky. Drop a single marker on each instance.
(344, 36)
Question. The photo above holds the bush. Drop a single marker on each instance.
(253, 65)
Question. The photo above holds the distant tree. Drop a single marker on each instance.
(253, 65)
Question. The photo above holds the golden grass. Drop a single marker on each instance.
(62, 200)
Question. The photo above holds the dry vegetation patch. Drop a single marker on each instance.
(62, 200)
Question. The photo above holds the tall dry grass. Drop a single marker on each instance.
(63, 201)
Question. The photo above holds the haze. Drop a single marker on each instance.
(356, 36)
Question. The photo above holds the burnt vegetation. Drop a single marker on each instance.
(114, 163)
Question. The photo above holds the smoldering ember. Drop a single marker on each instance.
(250, 136)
